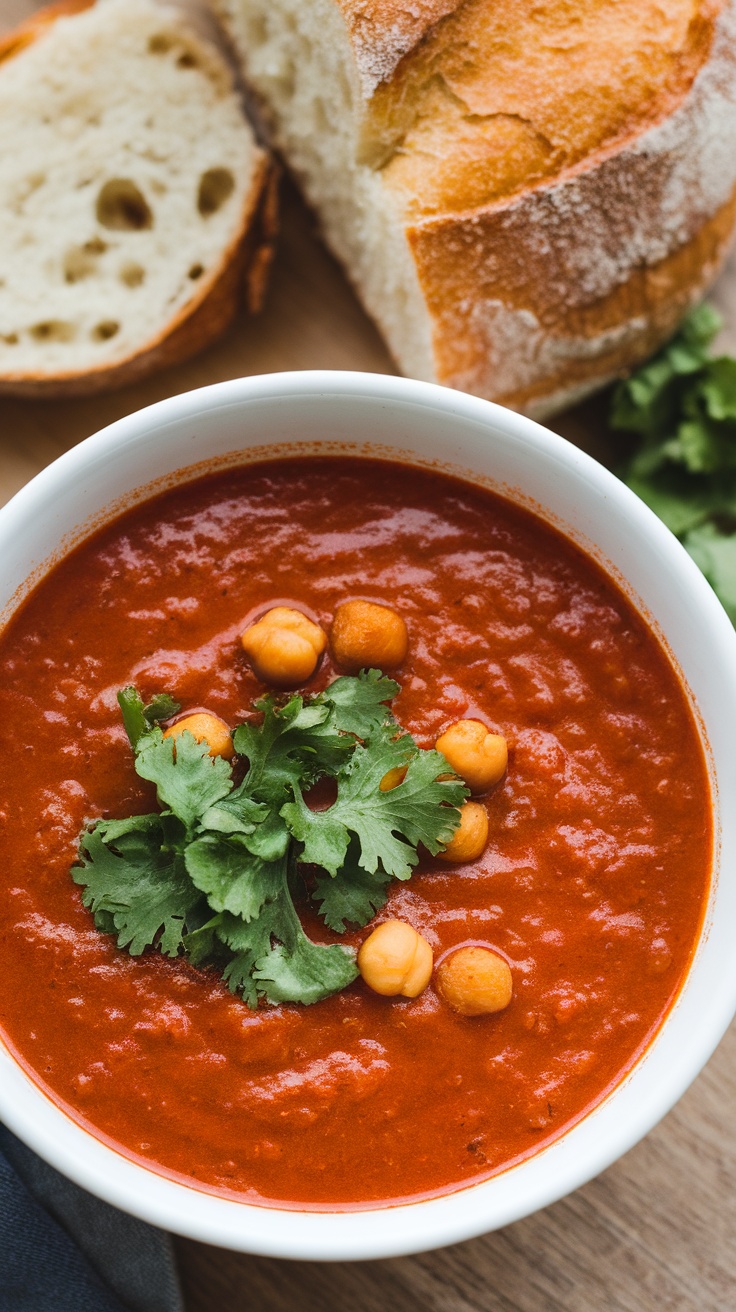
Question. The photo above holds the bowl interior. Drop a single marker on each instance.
(418, 423)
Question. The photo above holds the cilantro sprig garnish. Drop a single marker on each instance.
(213, 875)
(682, 405)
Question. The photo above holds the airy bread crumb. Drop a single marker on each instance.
(128, 180)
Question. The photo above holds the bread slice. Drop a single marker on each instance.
(131, 193)
(526, 196)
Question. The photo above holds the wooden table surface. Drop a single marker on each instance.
(654, 1233)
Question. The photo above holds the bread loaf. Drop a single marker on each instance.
(130, 191)
(526, 196)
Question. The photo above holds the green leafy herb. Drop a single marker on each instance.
(682, 404)
(388, 826)
(353, 895)
(137, 718)
(136, 885)
(212, 875)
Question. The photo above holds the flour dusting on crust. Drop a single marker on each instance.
(528, 300)
(563, 248)
(383, 31)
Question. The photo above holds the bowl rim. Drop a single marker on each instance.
(471, 1210)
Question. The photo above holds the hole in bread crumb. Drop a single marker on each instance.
(102, 332)
(121, 205)
(187, 60)
(159, 43)
(78, 264)
(81, 261)
(196, 272)
(10, 339)
(214, 188)
(53, 330)
(132, 274)
(257, 26)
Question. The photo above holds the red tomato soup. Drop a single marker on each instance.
(592, 885)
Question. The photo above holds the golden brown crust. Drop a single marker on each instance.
(261, 243)
(501, 97)
(541, 296)
(622, 327)
(563, 174)
(654, 299)
(240, 277)
(383, 31)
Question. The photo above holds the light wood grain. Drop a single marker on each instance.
(656, 1232)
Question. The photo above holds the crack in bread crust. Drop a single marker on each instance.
(522, 237)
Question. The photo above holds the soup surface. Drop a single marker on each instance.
(592, 885)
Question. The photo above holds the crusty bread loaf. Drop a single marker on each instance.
(131, 189)
(527, 196)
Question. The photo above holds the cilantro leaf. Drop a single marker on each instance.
(306, 970)
(269, 840)
(231, 877)
(288, 969)
(161, 707)
(295, 744)
(674, 499)
(358, 704)
(202, 944)
(134, 719)
(294, 964)
(683, 406)
(650, 400)
(718, 389)
(715, 554)
(236, 813)
(188, 780)
(352, 895)
(136, 884)
(137, 718)
(247, 943)
(388, 826)
(208, 876)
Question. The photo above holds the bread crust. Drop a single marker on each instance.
(539, 285)
(240, 277)
(574, 282)
(652, 301)
(382, 32)
(11, 43)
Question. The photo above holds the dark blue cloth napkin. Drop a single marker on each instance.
(61, 1250)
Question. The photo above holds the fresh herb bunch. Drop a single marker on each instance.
(212, 876)
(683, 406)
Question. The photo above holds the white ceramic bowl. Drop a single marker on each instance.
(427, 425)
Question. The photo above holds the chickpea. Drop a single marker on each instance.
(396, 959)
(283, 647)
(365, 634)
(471, 835)
(475, 981)
(478, 756)
(205, 728)
(393, 778)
